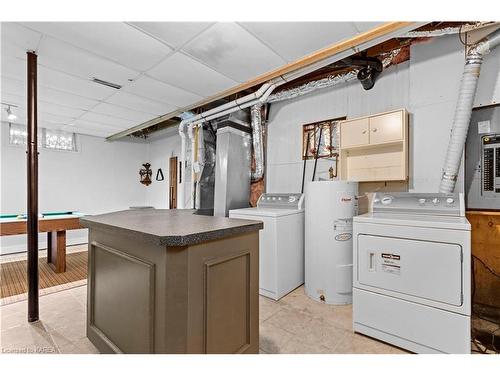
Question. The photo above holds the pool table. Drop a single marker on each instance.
(55, 224)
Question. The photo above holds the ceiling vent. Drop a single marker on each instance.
(106, 83)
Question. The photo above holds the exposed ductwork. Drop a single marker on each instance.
(258, 142)
(463, 110)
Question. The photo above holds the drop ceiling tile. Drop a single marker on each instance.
(138, 103)
(87, 131)
(183, 71)
(293, 40)
(122, 112)
(233, 51)
(64, 57)
(116, 41)
(54, 118)
(63, 98)
(61, 110)
(162, 92)
(17, 100)
(96, 126)
(13, 67)
(173, 33)
(16, 39)
(365, 26)
(68, 83)
(13, 87)
(107, 120)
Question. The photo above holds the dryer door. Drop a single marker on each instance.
(412, 268)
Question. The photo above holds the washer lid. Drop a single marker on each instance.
(264, 211)
(428, 221)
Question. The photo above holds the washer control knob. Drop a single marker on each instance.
(291, 199)
(435, 201)
(421, 201)
(387, 200)
(450, 200)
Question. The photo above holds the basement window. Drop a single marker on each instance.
(47, 138)
(58, 140)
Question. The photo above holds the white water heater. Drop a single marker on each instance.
(330, 207)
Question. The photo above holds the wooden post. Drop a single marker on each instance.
(32, 181)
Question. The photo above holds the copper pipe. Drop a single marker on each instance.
(32, 181)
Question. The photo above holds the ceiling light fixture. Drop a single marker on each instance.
(106, 83)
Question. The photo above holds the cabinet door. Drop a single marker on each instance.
(386, 128)
(354, 133)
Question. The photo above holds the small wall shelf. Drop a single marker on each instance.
(375, 148)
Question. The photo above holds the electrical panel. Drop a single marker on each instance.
(491, 165)
(482, 160)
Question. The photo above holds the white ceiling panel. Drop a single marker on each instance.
(60, 109)
(141, 104)
(292, 40)
(121, 112)
(13, 67)
(162, 92)
(16, 39)
(74, 85)
(233, 51)
(13, 86)
(96, 126)
(108, 39)
(174, 34)
(107, 120)
(365, 26)
(6, 97)
(89, 131)
(64, 98)
(58, 55)
(183, 71)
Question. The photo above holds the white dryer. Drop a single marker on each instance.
(281, 242)
(412, 272)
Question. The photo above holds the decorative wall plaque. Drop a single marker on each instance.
(146, 174)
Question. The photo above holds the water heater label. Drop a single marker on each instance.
(343, 237)
(391, 263)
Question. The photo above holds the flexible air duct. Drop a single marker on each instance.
(258, 142)
(463, 110)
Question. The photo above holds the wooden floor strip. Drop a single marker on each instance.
(13, 274)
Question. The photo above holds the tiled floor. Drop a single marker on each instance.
(295, 324)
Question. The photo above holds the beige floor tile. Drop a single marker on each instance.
(297, 346)
(267, 308)
(354, 343)
(31, 338)
(82, 346)
(272, 338)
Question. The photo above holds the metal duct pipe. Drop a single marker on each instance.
(463, 110)
(258, 142)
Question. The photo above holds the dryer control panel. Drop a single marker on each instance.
(419, 203)
(289, 201)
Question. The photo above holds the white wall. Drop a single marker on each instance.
(161, 148)
(427, 86)
(100, 177)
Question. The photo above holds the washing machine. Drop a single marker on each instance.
(281, 242)
(411, 278)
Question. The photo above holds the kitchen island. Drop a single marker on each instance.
(170, 281)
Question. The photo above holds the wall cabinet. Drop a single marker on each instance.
(375, 148)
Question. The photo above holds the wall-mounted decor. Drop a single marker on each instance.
(159, 175)
(146, 174)
(328, 142)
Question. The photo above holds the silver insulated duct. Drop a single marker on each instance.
(463, 110)
(258, 142)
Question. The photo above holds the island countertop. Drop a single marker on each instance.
(170, 227)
